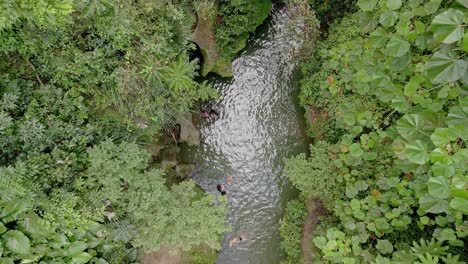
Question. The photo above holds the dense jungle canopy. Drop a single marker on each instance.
(91, 91)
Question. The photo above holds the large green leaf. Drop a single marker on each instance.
(411, 127)
(430, 204)
(417, 152)
(3, 229)
(448, 26)
(367, 5)
(397, 47)
(439, 187)
(388, 18)
(320, 241)
(446, 234)
(80, 258)
(460, 204)
(440, 155)
(465, 42)
(441, 168)
(442, 136)
(378, 37)
(76, 247)
(461, 155)
(17, 242)
(384, 246)
(393, 4)
(463, 3)
(445, 67)
(457, 116)
(355, 150)
(464, 103)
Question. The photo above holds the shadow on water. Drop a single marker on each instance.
(260, 125)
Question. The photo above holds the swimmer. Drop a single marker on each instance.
(236, 240)
(221, 189)
(230, 180)
(213, 114)
(205, 114)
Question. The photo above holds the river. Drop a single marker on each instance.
(260, 125)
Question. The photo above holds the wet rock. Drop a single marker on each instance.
(154, 149)
(183, 171)
(203, 36)
(168, 164)
(188, 132)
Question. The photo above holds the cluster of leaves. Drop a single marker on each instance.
(81, 83)
(291, 230)
(392, 78)
(328, 11)
(236, 20)
(130, 57)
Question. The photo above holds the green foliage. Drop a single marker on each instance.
(236, 20)
(81, 82)
(42, 12)
(392, 76)
(316, 175)
(177, 218)
(328, 11)
(291, 230)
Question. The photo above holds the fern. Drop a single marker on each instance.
(429, 247)
(11, 185)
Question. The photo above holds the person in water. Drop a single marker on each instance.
(236, 240)
(221, 189)
(211, 115)
(214, 115)
(205, 114)
(230, 180)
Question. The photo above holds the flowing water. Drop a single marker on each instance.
(260, 125)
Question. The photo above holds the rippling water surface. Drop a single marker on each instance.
(260, 124)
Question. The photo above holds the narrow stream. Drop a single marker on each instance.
(260, 125)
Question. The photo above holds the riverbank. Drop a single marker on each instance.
(390, 154)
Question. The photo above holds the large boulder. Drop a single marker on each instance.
(203, 36)
(188, 132)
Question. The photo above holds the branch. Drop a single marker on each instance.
(37, 75)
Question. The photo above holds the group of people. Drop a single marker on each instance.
(210, 115)
(222, 190)
(220, 187)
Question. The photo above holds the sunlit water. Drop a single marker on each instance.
(260, 125)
